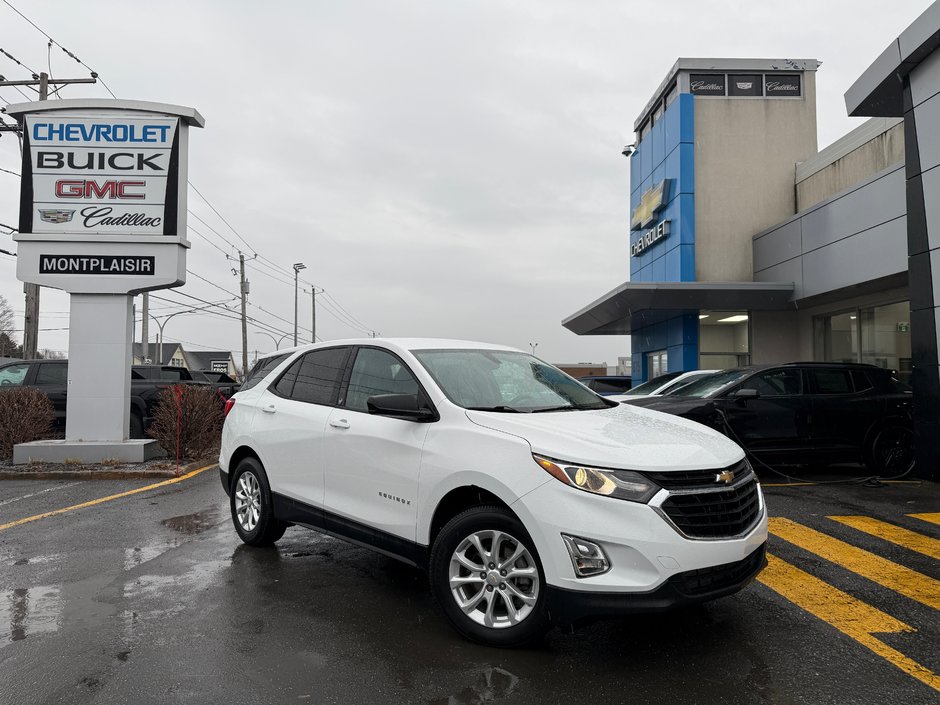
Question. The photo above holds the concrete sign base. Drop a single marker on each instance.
(136, 450)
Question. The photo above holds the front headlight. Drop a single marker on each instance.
(622, 484)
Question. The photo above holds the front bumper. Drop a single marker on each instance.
(644, 547)
(682, 589)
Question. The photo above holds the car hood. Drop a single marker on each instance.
(669, 404)
(620, 437)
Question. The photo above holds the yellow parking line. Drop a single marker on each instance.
(933, 518)
(102, 500)
(895, 534)
(851, 616)
(896, 577)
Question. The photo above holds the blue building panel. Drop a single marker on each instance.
(667, 152)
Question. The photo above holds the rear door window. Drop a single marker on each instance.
(52, 374)
(316, 376)
(831, 381)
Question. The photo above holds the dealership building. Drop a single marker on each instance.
(749, 245)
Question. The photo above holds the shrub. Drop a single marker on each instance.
(26, 415)
(187, 421)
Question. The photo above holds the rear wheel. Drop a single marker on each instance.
(891, 450)
(135, 427)
(486, 575)
(252, 506)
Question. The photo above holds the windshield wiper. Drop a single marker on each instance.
(501, 408)
(568, 407)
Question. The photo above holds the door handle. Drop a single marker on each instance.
(269, 409)
(339, 423)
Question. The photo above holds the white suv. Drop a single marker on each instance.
(530, 499)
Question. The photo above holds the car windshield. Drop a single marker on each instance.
(506, 381)
(652, 385)
(709, 385)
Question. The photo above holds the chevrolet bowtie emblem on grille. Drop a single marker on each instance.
(725, 476)
(650, 204)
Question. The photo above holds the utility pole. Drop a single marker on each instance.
(145, 329)
(313, 314)
(244, 294)
(31, 324)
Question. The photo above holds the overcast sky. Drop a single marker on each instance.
(442, 168)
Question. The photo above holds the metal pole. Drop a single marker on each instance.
(313, 314)
(244, 294)
(296, 272)
(145, 330)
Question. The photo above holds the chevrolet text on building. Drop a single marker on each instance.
(103, 217)
(650, 238)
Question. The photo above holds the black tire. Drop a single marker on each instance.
(253, 512)
(136, 426)
(506, 631)
(891, 450)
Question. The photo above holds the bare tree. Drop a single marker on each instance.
(7, 327)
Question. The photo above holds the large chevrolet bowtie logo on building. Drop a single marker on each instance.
(650, 204)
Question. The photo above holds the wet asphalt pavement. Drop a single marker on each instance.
(151, 598)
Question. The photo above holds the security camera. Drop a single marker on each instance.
(628, 150)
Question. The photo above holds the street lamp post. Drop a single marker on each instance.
(297, 267)
(533, 346)
(166, 319)
(277, 341)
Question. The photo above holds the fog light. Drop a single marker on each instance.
(587, 557)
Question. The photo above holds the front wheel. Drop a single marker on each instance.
(252, 506)
(486, 576)
(891, 451)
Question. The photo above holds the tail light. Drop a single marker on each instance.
(229, 403)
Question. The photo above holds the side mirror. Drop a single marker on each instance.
(743, 395)
(403, 406)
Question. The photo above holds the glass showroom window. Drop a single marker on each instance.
(658, 363)
(723, 340)
(878, 335)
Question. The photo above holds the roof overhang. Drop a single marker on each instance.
(879, 91)
(635, 305)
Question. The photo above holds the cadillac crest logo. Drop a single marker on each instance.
(54, 215)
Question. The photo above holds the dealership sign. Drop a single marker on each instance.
(103, 194)
(100, 174)
(650, 238)
(652, 201)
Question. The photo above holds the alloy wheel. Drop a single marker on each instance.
(248, 501)
(494, 579)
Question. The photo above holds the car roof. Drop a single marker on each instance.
(409, 344)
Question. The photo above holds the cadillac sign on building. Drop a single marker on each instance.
(103, 217)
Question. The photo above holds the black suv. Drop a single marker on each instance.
(51, 377)
(804, 412)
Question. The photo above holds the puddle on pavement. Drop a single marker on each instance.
(36, 560)
(194, 523)
(28, 611)
(490, 684)
(138, 555)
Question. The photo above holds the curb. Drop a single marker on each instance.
(103, 474)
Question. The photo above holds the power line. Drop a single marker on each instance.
(237, 234)
(16, 61)
(7, 171)
(94, 74)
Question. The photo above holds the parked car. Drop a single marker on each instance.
(663, 384)
(225, 385)
(51, 377)
(804, 412)
(606, 384)
(530, 499)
